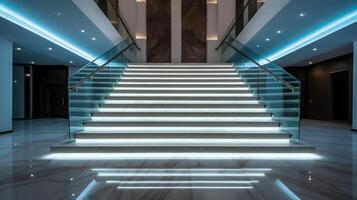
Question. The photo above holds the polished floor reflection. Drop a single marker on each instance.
(25, 175)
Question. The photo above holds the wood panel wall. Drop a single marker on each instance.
(158, 31)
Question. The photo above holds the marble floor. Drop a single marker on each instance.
(24, 174)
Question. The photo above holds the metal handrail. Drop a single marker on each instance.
(226, 34)
(74, 87)
(97, 58)
(287, 84)
(124, 23)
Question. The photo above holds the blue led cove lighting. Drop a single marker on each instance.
(324, 31)
(20, 20)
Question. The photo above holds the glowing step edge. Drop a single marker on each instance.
(178, 78)
(175, 88)
(178, 70)
(183, 83)
(171, 65)
(187, 174)
(182, 129)
(174, 101)
(181, 142)
(182, 119)
(183, 187)
(179, 95)
(180, 182)
(180, 73)
(182, 169)
(220, 110)
(181, 156)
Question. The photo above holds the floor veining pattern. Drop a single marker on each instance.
(25, 175)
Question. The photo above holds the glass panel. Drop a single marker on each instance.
(275, 88)
(89, 87)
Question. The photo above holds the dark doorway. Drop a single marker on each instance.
(339, 82)
(50, 91)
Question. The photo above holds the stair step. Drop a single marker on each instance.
(183, 98)
(187, 70)
(210, 106)
(120, 90)
(181, 114)
(178, 124)
(176, 150)
(93, 135)
(179, 66)
(181, 76)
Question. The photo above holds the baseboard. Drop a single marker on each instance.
(18, 119)
(9, 131)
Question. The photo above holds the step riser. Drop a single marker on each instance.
(202, 150)
(181, 142)
(201, 135)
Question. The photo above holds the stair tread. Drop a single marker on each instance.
(257, 135)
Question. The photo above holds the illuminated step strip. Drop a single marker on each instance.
(177, 88)
(173, 65)
(176, 78)
(183, 187)
(181, 142)
(182, 119)
(164, 88)
(174, 101)
(181, 156)
(188, 110)
(182, 169)
(187, 174)
(180, 182)
(181, 94)
(182, 83)
(178, 70)
(181, 129)
(180, 73)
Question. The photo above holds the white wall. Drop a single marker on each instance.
(354, 87)
(176, 31)
(212, 31)
(18, 107)
(5, 85)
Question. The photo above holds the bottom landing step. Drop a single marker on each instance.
(73, 147)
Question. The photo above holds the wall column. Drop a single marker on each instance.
(354, 87)
(5, 86)
(176, 31)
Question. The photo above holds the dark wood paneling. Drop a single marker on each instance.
(252, 9)
(158, 16)
(50, 94)
(194, 31)
(239, 16)
(317, 87)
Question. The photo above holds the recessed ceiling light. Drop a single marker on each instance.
(278, 31)
(258, 45)
(302, 14)
(18, 48)
(49, 48)
(32, 62)
(82, 31)
(93, 38)
(71, 61)
(267, 39)
(314, 49)
(310, 63)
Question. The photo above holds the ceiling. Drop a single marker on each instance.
(306, 31)
(51, 32)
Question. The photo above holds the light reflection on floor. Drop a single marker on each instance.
(25, 176)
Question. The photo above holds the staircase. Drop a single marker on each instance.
(175, 111)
